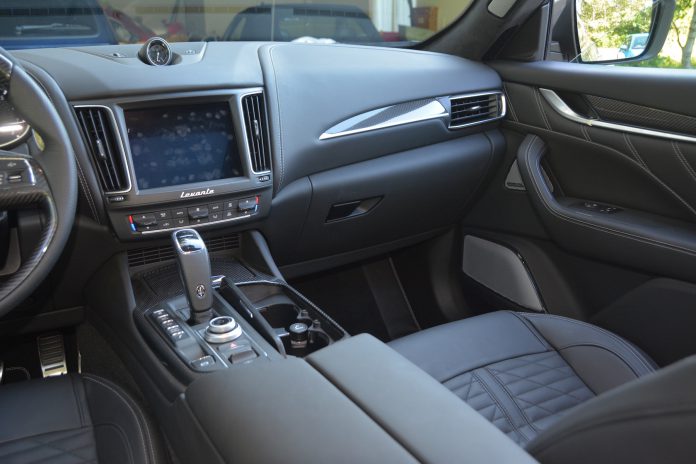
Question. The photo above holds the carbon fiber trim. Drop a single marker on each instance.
(154, 286)
(34, 191)
(628, 113)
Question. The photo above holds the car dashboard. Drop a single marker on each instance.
(288, 159)
(292, 120)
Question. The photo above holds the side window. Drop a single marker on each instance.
(646, 33)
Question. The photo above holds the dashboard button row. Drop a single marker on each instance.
(195, 215)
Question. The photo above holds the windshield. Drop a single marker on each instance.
(62, 23)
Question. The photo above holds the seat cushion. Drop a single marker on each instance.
(72, 419)
(521, 371)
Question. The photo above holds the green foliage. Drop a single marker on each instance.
(608, 24)
(659, 62)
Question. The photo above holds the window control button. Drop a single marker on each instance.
(242, 354)
(177, 336)
(205, 362)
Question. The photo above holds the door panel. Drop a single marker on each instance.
(630, 269)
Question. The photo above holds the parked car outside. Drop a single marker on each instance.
(341, 23)
(65, 23)
(635, 46)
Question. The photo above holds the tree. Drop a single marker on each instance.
(685, 20)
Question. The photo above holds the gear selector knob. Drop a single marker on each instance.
(194, 268)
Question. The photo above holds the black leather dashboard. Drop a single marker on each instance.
(308, 89)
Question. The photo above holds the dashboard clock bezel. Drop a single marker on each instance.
(145, 51)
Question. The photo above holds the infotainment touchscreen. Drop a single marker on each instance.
(177, 145)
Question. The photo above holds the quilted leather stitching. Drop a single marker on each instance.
(471, 389)
(65, 447)
(542, 385)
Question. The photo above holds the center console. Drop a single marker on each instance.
(199, 160)
(221, 321)
(240, 367)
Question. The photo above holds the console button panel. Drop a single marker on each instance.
(209, 213)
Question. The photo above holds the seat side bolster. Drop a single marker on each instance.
(602, 359)
(646, 421)
(451, 349)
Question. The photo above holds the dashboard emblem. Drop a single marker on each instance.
(197, 194)
(200, 291)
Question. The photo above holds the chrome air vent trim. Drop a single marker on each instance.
(256, 134)
(567, 112)
(388, 116)
(119, 144)
(500, 109)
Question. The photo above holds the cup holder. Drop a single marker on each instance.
(285, 318)
(299, 332)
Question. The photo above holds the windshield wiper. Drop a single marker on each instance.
(28, 28)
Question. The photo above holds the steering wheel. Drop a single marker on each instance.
(48, 180)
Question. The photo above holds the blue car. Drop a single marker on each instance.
(65, 23)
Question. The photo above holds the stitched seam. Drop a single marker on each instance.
(602, 347)
(507, 415)
(512, 398)
(144, 432)
(88, 193)
(280, 120)
(611, 335)
(48, 444)
(78, 402)
(605, 229)
(532, 329)
(537, 97)
(634, 151)
(650, 173)
(641, 415)
(682, 158)
(124, 437)
(509, 102)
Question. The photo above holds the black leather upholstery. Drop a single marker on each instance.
(655, 416)
(523, 372)
(72, 419)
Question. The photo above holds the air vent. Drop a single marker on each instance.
(469, 110)
(143, 256)
(104, 146)
(256, 125)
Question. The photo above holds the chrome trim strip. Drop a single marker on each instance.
(431, 110)
(245, 138)
(567, 112)
(503, 108)
(114, 125)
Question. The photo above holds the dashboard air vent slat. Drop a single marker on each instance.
(97, 126)
(469, 110)
(256, 126)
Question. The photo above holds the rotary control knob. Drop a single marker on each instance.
(222, 329)
(299, 335)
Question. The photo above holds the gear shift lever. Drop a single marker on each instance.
(194, 269)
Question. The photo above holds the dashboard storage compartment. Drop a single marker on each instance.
(285, 318)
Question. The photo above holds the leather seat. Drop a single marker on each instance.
(524, 372)
(72, 419)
